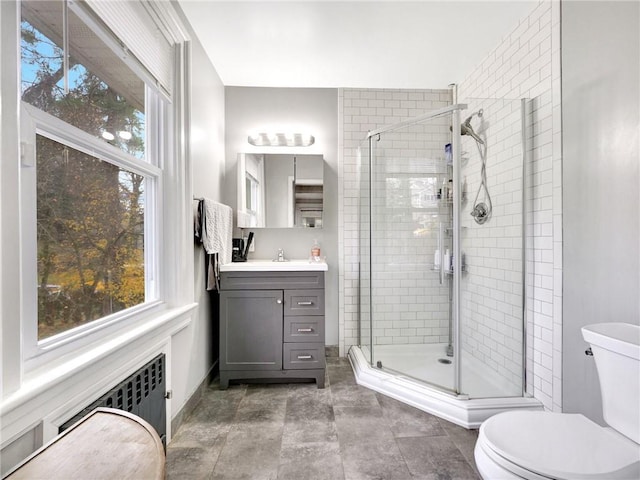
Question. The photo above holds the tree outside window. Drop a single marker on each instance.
(90, 212)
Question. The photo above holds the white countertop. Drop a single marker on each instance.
(271, 266)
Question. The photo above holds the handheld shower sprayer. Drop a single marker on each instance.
(467, 129)
(481, 211)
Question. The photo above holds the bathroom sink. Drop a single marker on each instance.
(271, 266)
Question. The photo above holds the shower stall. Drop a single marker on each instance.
(442, 267)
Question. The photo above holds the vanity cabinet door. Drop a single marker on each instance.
(251, 330)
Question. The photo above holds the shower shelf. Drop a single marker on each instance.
(448, 230)
(449, 203)
(450, 272)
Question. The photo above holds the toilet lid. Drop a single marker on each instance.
(563, 446)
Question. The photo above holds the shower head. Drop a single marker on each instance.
(478, 114)
(467, 129)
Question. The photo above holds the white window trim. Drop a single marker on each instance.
(36, 122)
(62, 132)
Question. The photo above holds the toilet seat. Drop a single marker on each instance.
(557, 446)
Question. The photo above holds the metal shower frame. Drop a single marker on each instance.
(454, 110)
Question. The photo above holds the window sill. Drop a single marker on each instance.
(84, 335)
(47, 376)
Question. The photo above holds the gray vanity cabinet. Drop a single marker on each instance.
(272, 326)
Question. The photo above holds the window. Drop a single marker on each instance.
(94, 126)
(90, 233)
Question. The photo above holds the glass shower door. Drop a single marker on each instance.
(407, 231)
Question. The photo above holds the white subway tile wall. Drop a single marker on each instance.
(491, 306)
(403, 313)
(525, 65)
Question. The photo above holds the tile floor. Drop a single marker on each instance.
(295, 431)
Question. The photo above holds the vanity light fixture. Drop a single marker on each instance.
(123, 134)
(108, 136)
(281, 139)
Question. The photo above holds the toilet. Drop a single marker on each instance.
(544, 445)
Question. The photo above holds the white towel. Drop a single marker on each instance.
(218, 230)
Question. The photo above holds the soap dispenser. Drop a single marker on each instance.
(444, 194)
(446, 266)
(315, 252)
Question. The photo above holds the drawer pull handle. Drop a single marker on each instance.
(305, 329)
(304, 357)
(305, 303)
(279, 301)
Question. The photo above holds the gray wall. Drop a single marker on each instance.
(197, 346)
(311, 110)
(601, 124)
(207, 157)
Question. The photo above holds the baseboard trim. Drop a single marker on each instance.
(194, 400)
(331, 351)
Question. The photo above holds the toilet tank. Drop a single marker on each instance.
(616, 349)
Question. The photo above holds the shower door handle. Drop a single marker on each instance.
(441, 248)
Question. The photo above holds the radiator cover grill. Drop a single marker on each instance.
(142, 393)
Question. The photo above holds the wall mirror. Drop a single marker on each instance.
(280, 190)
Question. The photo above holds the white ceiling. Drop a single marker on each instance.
(366, 44)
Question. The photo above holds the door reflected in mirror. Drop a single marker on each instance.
(280, 190)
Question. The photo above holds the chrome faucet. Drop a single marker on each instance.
(280, 256)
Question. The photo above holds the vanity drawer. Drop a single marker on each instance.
(303, 355)
(304, 329)
(271, 280)
(303, 302)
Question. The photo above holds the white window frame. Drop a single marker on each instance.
(158, 129)
(36, 122)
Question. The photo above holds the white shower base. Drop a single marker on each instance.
(420, 361)
(459, 409)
